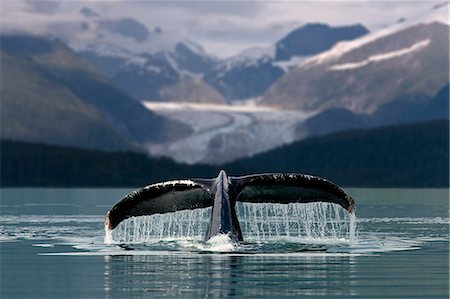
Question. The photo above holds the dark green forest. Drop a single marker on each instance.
(396, 156)
(28, 164)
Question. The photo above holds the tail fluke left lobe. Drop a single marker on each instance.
(159, 198)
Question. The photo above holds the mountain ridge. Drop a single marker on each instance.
(49, 94)
(144, 73)
(247, 76)
(411, 60)
(320, 37)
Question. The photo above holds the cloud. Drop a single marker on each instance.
(210, 8)
(221, 27)
(43, 7)
(127, 27)
(89, 13)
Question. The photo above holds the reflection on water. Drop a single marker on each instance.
(214, 276)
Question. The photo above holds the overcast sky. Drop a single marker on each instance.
(223, 28)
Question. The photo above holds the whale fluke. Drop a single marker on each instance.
(159, 198)
(222, 193)
(290, 188)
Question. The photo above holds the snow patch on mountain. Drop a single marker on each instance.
(380, 57)
(196, 48)
(245, 106)
(247, 59)
(256, 53)
(439, 14)
(342, 48)
(287, 65)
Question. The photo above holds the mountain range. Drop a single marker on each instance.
(150, 65)
(50, 95)
(251, 73)
(369, 72)
(154, 61)
(93, 90)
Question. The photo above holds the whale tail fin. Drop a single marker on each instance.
(161, 198)
(289, 188)
(192, 194)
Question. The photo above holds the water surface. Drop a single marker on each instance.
(52, 246)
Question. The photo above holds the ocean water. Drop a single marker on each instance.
(52, 245)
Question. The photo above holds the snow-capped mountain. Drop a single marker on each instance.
(251, 73)
(369, 72)
(315, 38)
(244, 77)
(144, 76)
(142, 61)
(406, 58)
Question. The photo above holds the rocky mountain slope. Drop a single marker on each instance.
(102, 94)
(402, 110)
(50, 95)
(251, 73)
(371, 71)
(146, 62)
(143, 62)
(145, 75)
(315, 38)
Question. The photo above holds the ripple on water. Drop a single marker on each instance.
(84, 235)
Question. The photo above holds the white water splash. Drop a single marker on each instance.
(184, 224)
(312, 221)
(352, 228)
(265, 222)
(219, 243)
(108, 235)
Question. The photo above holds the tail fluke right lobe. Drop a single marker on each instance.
(289, 188)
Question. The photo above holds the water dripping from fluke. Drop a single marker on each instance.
(311, 223)
(180, 225)
(262, 208)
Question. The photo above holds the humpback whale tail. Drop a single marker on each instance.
(222, 193)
